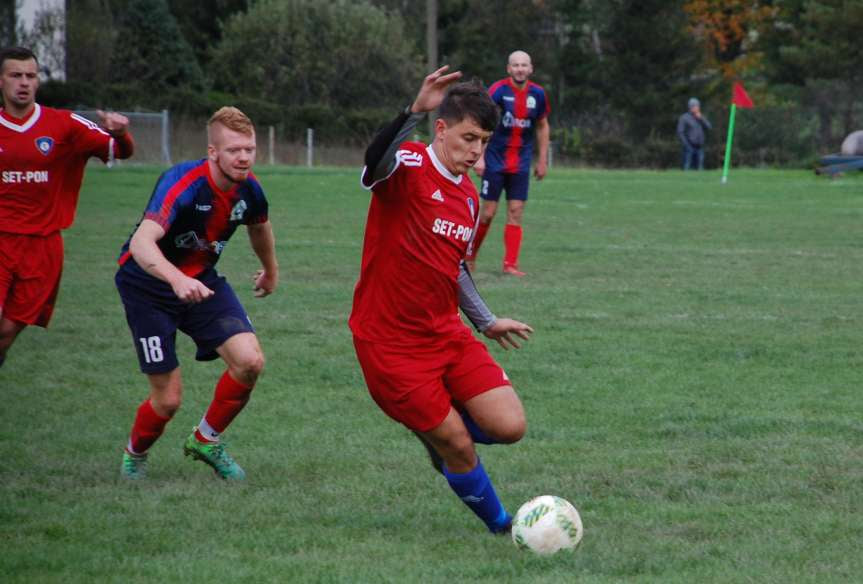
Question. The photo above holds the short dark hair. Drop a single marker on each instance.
(17, 54)
(469, 98)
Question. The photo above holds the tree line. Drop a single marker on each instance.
(618, 72)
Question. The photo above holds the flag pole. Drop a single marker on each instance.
(728, 140)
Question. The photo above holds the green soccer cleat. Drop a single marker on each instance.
(134, 466)
(214, 454)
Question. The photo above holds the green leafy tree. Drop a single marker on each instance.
(201, 22)
(318, 53)
(7, 23)
(151, 52)
(814, 46)
(90, 36)
(652, 59)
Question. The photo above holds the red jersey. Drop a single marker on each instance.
(42, 159)
(420, 223)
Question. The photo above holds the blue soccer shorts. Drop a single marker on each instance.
(154, 314)
(516, 186)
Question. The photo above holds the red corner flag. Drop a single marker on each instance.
(740, 98)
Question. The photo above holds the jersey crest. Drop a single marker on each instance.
(45, 144)
(238, 210)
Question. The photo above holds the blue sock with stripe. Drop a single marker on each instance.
(474, 488)
(475, 431)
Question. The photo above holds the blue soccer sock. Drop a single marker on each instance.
(475, 431)
(474, 488)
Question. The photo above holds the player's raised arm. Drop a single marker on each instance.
(264, 245)
(433, 89)
(146, 252)
(380, 159)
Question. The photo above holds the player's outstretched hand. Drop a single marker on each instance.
(505, 331)
(433, 89)
(191, 290)
(114, 123)
(265, 283)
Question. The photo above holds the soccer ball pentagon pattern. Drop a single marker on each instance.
(546, 525)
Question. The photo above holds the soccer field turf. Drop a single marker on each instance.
(693, 387)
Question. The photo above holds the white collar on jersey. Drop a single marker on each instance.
(441, 168)
(34, 117)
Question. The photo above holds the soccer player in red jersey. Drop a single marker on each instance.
(506, 166)
(422, 365)
(168, 282)
(43, 152)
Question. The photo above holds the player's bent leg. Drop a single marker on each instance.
(452, 441)
(154, 413)
(465, 473)
(245, 360)
(499, 413)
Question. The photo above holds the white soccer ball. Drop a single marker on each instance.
(547, 524)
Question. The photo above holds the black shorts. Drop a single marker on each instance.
(154, 314)
(515, 185)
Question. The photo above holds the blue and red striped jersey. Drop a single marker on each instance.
(511, 146)
(198, 217)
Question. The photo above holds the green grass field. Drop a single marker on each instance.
(693, 387)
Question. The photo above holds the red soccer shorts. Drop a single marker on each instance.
(417, 386)
(30, 268)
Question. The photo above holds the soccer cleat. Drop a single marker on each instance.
(434, 457)
(512, 270)
(134, 466)
(214, 454)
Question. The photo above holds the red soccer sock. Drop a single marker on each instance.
(481, 232)
(512, 244)
(230, 398)
(147, 428)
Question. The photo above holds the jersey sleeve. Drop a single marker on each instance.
(546, 105)
(396, 185)
(168, 198)
(381, 156)
(89, 138)
(259, 207)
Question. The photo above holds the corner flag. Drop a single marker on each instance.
(739, 98)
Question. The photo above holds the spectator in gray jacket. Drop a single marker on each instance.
(691, 129)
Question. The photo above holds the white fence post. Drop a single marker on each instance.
(166, 138)
(310, 146)
(272, 145)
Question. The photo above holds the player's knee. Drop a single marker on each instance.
(249, 368)
(166, 406)
(512, 430)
